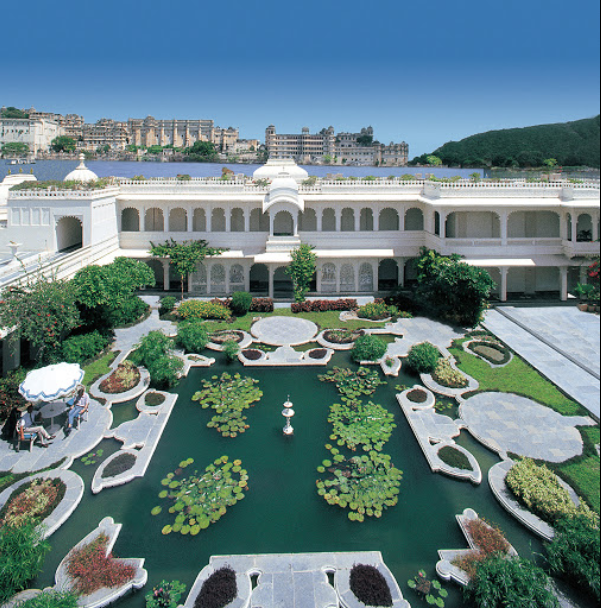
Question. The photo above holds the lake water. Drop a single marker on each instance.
(58, 169)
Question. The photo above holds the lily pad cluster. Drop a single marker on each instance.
(431, 591)
(367, 484)
(229, 395)
(356, 424)
(353, 384)
(202, 499)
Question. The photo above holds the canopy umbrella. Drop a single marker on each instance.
(51, 382)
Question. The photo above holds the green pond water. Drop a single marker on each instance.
(282, 512)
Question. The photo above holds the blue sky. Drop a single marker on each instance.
(426, 72)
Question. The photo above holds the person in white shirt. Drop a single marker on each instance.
(81, 402)
(27, 424)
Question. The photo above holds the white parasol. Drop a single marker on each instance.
(51, 382)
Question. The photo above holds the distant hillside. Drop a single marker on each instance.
(570, 143)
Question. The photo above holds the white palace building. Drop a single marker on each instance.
(532, 237)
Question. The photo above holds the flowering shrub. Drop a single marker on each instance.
(377, 310)
(124, 378)
(195, 309)
(165, 595)
(261, 305)
(324, 305)
(448, 376)
(9, 393)
(35, 500)
(537, 487)
(92, 568)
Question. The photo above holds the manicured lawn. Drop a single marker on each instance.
(98, 368)
(324, 320)
(516, 377)
(583, 476)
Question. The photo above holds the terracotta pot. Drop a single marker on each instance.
(583, 307)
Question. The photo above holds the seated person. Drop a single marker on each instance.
(27, 424)
(80, 404)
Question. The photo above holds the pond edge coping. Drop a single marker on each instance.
(466, 344)
(113, 398)
(64, 509)
(429, 382)
(102, 597)
(246, 341)
(430, 451)
(304, 360)
(444, 567)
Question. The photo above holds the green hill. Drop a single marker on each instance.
(571, 144)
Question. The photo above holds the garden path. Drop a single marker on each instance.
(551, 361)
(284, 331)
(421, 329)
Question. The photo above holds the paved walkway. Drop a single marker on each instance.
(509, 423)
(421, 329)
(284, 331)
(551, 361)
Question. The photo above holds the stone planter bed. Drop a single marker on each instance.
(133, 393)
(284, 356)
(64, 509)
(469, 347)
(243, 339)
(325, 339)
(102, 597)
(434, 386)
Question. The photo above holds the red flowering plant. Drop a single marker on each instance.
(35, 500)
(43, 312)
(92, 568)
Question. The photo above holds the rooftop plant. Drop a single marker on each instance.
(229, 395)
(203, 498)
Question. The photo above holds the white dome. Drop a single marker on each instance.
(281, 168)
(81, 173)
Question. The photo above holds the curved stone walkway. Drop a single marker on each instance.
(284, 331)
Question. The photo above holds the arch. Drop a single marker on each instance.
(308, 220)
(178, 220)
(198, 279)
(389, 219)
(259, 278)
(414, 219)
(437, 219)
(154, 221)
(584, 228)
(130, 220)
(218, 220)
(328, 277)
(347, 221)
(282, 283)
(347, 278)
(283, 224)
(259, 221)
(366, 277)
(388, 275)
(236, 277)
(366, 220)
(69, 234)
(328, 220)
(472, 224)
(217, 279)
(237, 221)
(199, 220)
(533, 224)
(569, 222)
(159, 274)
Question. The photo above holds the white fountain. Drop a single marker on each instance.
(288, 413)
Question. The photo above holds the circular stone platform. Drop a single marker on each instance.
(284, 331)
(510, 423)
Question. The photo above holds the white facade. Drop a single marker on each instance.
(531, 237)
(36, 133)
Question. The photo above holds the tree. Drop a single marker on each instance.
(434, 160)
(550, 163)
(12, 112)
(43, 311)
(301, 270)
(475, 177)
(327, 159)
(15, 148)
(63, 144)
(184, 257)
(451, 289)
(365, 140)
(202, 152)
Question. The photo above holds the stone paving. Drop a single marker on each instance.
(284, 331)
(509, 423)
(420, 329)
(578, 383)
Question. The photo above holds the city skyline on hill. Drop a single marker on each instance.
(426, 77)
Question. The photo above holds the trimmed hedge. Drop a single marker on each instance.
(324, 305)
(128, 313)
(82, 348)
(196, 309)
(241, 303)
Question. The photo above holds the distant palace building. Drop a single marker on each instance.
(335, 148)
(105, 132)
(37, 133)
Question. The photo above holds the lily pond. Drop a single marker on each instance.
(282, 511)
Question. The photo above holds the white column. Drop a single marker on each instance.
(338, 277)
(271, 224)
(209, 218)
(295, 224)
(246, 278)
(563, 226)
(357, 220)
(595, 219)
(583, 275)
(402, 213)
(227, 279)
(338, 213)
(247, 221)
(401, 277)
(190, 219)
(563, 272)
(271, 273)
(166, 283)
(574, 228)
(504, 223)
(356, 269)
(318, 271)
(503, 289)
(376, 267)
(143, 219)
(319, 217)
(443, 225)
(376, 215)
(228, 219)
(209, 286)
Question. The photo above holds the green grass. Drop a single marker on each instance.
(98, 368)
(324, 320)
(7, 478)
(517, 377)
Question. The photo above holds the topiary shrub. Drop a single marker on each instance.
(167, 305)
(368, 348)
(218, 590)
(193, 336)
(574, 553)
(241, 303)
(423, 358)
(369, 586)
(82, 348)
